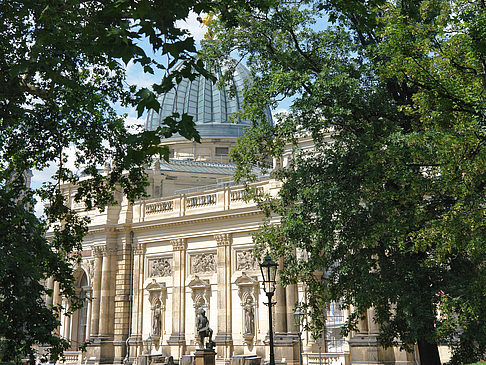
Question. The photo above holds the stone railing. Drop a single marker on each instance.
(201, 201)
(242, 194)
(159, 207)
(73, 357)
(224, 198)
(326, 358)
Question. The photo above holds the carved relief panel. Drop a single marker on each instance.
(159, 267)
(204, 263)
(245, 261)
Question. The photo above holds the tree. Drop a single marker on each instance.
(390, 202)
(61, 73)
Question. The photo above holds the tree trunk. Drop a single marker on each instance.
(429, 353)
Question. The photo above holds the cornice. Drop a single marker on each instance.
(142, 226)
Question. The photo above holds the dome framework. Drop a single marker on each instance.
(209, 104)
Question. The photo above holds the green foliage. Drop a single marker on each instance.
(61, 71)
(389, 203)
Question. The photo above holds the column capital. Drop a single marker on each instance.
(224, 239)
(139, 249)
(97, 251)
(109, 251)
(179, 244)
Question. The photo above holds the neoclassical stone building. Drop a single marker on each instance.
(151, 265)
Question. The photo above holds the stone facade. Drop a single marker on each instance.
(149, 266)
(148, 272)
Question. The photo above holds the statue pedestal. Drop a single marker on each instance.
(204, 357)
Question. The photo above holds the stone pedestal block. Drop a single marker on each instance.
(286, 347)
(364, 349)
(204, 357)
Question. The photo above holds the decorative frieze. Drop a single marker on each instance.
(160, 266)
(224, 239)
(159, 207)
(203, 263)
(245, 261)
(178, 244)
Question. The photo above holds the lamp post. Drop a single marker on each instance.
(299, 321)
(269, 272)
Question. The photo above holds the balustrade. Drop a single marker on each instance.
(188, 204)
(201, 201)
(159, 207)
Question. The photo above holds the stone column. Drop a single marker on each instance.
(67, 321)
(50, 285)
(56, 300)
(106, 302)
(291, 299)
(95, 311)
(137, 301)
(280, 306)
(286, 344)
(177, 339)
(223, 337)
(122, 291)
(373, 328)
(89, 294)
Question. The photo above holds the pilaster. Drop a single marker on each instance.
(285, 339)
(177, 339)
(96, 295)
(135, 341)
(122, 298)
(223, 337)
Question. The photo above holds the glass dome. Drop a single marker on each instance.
(209, 105)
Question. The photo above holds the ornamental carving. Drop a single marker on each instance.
(203, 263)
(157, 298)
(108, 251)
(90, 268)
(224, 239)
(201, 290)
(245, 261)
(160, 267)
(139, 249)
(97, 251)
(248, 292)
(178, 244)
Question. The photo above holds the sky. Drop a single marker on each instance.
(135, 76)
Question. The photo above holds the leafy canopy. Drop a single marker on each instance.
(389, 204)
(62, 70)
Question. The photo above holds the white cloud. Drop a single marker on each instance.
(193, 26)
(134, 124)
(136, 76)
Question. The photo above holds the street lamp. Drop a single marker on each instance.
(299, 321)
(269, 272)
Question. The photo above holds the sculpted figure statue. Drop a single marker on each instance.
(249, 318)
(156, 320)
(203, 329)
